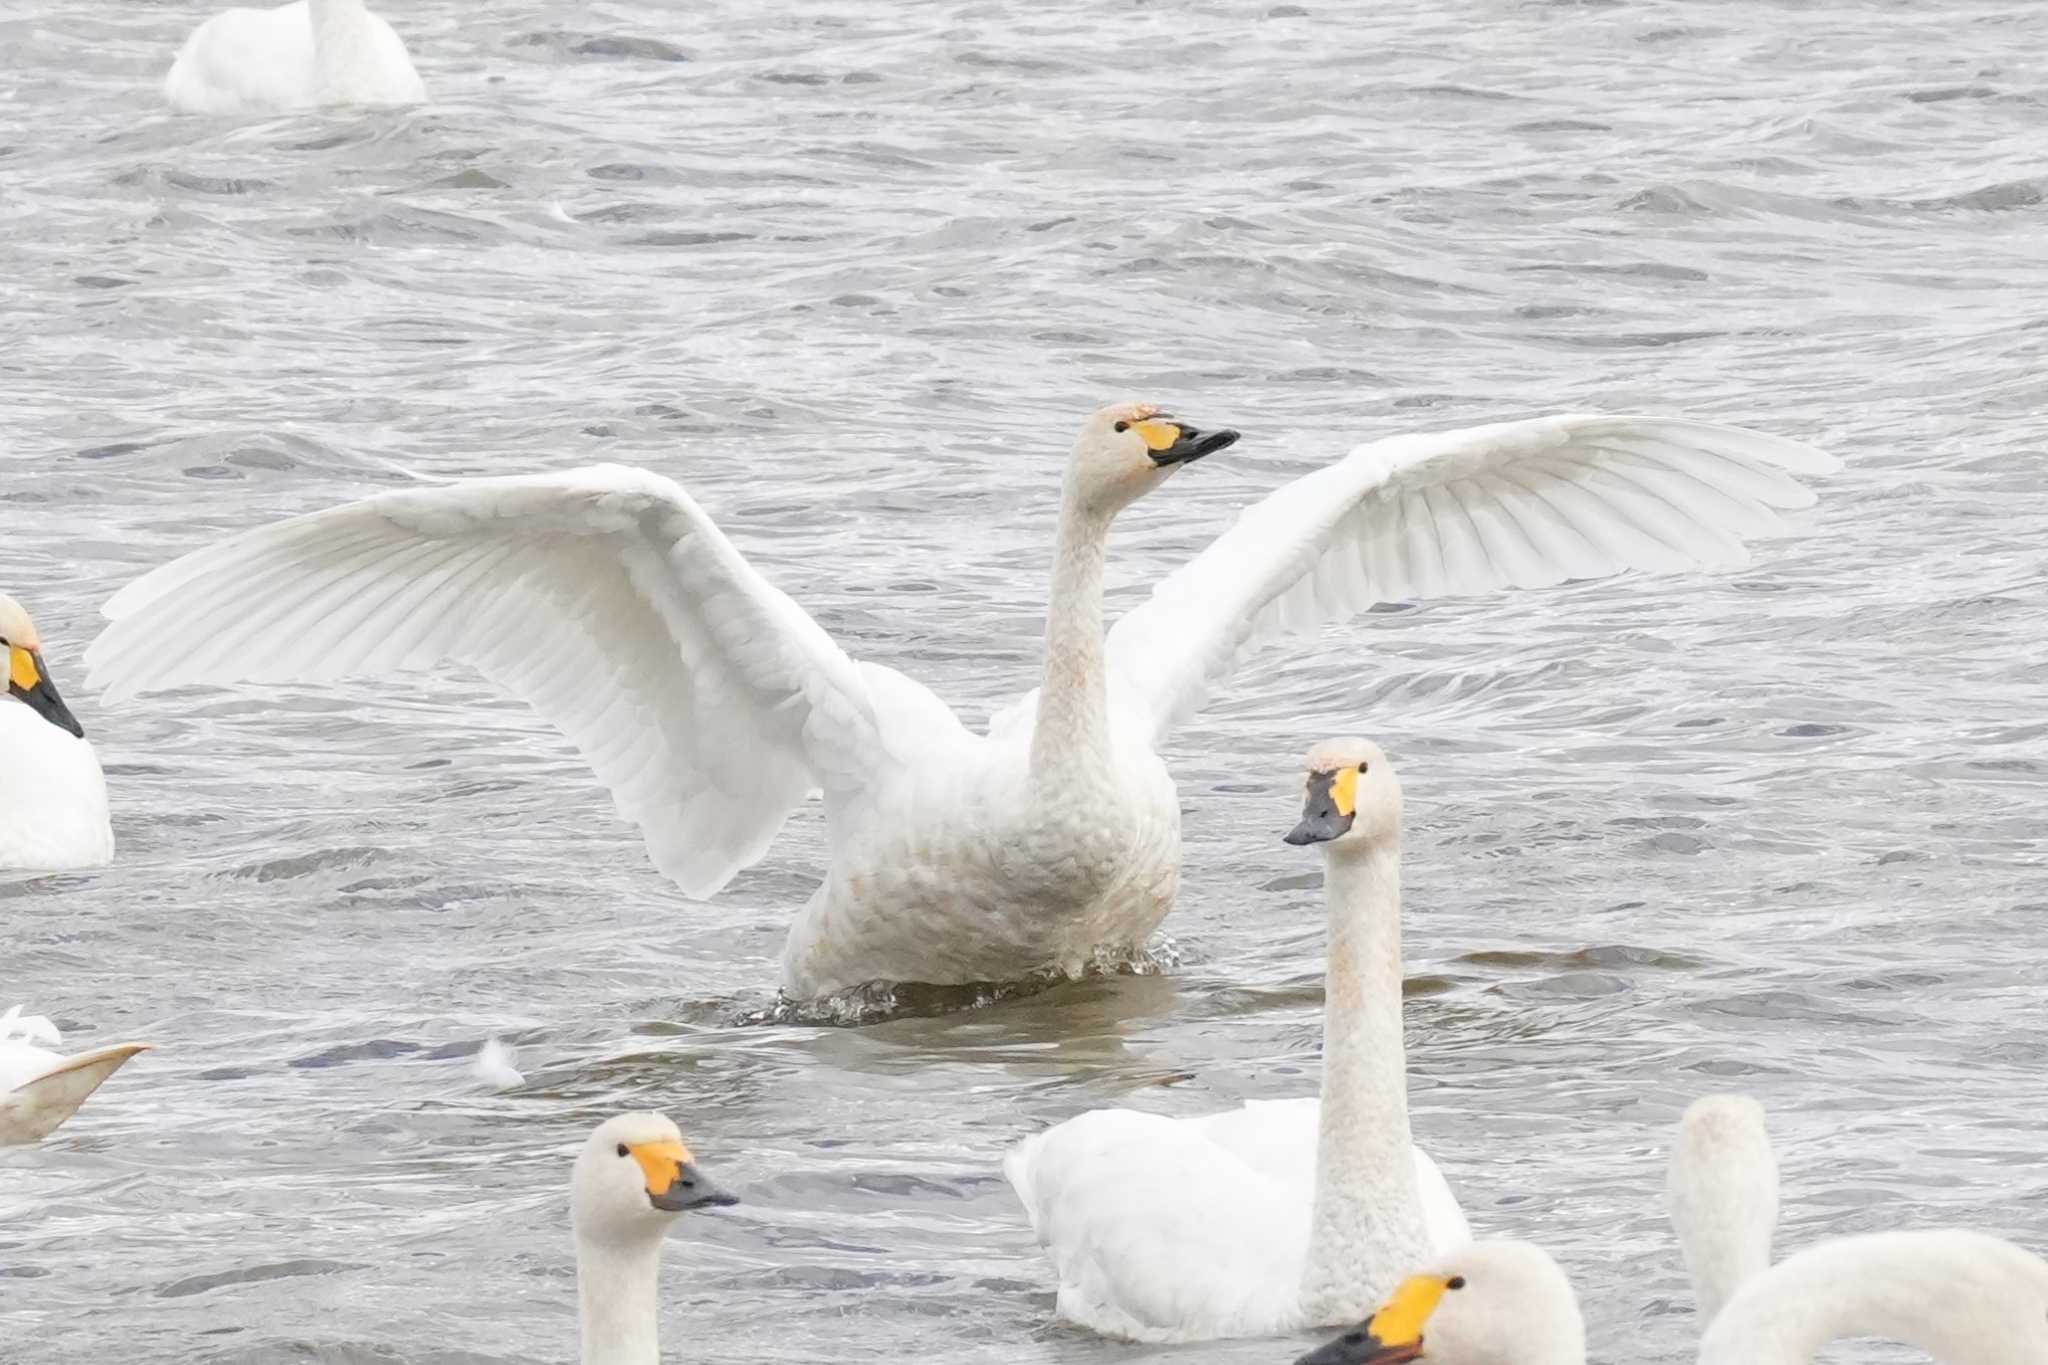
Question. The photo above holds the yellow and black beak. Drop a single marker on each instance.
(1394, 1333)
(1331, 806)
(28, 680)
(673, 1181)
(1171, 442)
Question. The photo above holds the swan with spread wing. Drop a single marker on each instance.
(712, 706)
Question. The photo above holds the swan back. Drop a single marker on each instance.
(1494, 1303)
(300, 55)
(1721, 1189)
(1965, 1298)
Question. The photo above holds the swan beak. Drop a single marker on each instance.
(1172, 443)
(1329, 809)
(673, 1181)
(1394, 1333)
(27, 679)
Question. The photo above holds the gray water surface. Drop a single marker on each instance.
(852, 272)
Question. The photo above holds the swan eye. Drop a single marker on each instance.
(1456, 1281)
(623, 1150)
(1362, 767)
(1123, 426)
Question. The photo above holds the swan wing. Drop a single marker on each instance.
(1512, 505)
(1158, 1233)
(32, 1109)
(705, 700)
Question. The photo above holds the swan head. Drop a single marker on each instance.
(1352, 797)
(1128, 449)
(633, 1177)
(1494, 1303)
(28, 679)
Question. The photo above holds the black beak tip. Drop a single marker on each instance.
(1297, 836)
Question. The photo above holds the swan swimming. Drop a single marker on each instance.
(53, 797)
(712, 707)
(632, 1179)
(1282, 1214)
(1965, 1298)
(39, 1089)
(304, 55)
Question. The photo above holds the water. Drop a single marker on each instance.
(852, 272)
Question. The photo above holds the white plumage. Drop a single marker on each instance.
(39, 1088)
(712, 706)
(53, 797)
(302, 55)
(1279, 1215)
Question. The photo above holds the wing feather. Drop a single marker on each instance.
(1512, 505)
(705, 700)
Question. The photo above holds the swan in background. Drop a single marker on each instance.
(631, 1180)
(1965, 1298)
(712, 706)
(53, 798)
(303, 55)
(1279, 1215)
(39, 1089)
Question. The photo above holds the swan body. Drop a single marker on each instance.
(632, 1179)
(1275, 1216)
(53, 797)
(1965, 1298)
(712, 707)
(303, 55)
(39, 1088)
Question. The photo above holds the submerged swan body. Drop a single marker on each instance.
(1276, 1216)
(713, 707)
(53, 797)
(1965, 1298)
(304, 55)
(632, 1179)
(39, 1089)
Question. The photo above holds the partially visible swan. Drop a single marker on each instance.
(1276, 1216)
(713, 707)
(1965, 1298)
(302, 55)
(631, 1180)
(53, 797)
(39, 1089)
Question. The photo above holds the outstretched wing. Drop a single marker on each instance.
(1511, 505)
(705, 699)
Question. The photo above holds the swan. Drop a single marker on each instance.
(712, 706)
(303, 55)
(39, 1089)
(53, 797)
(1278, 1215)
(1964, 1297)
(630, 1181)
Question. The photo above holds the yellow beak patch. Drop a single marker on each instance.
(1344, 792)
(1400, 1322)
(662, 1162)
(1159, 433)
(22, 670)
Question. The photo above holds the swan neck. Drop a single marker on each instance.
(1070, 739)
(1952, 1295)
(617, 1284)
(1367, 1221)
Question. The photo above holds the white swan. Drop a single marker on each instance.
(53, 797)
(39, 1089)
(1965, 1298)
(712, 706)
(631, 1180)
(304, 55)
(1276, 1216)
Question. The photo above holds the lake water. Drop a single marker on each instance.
(852, 272)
